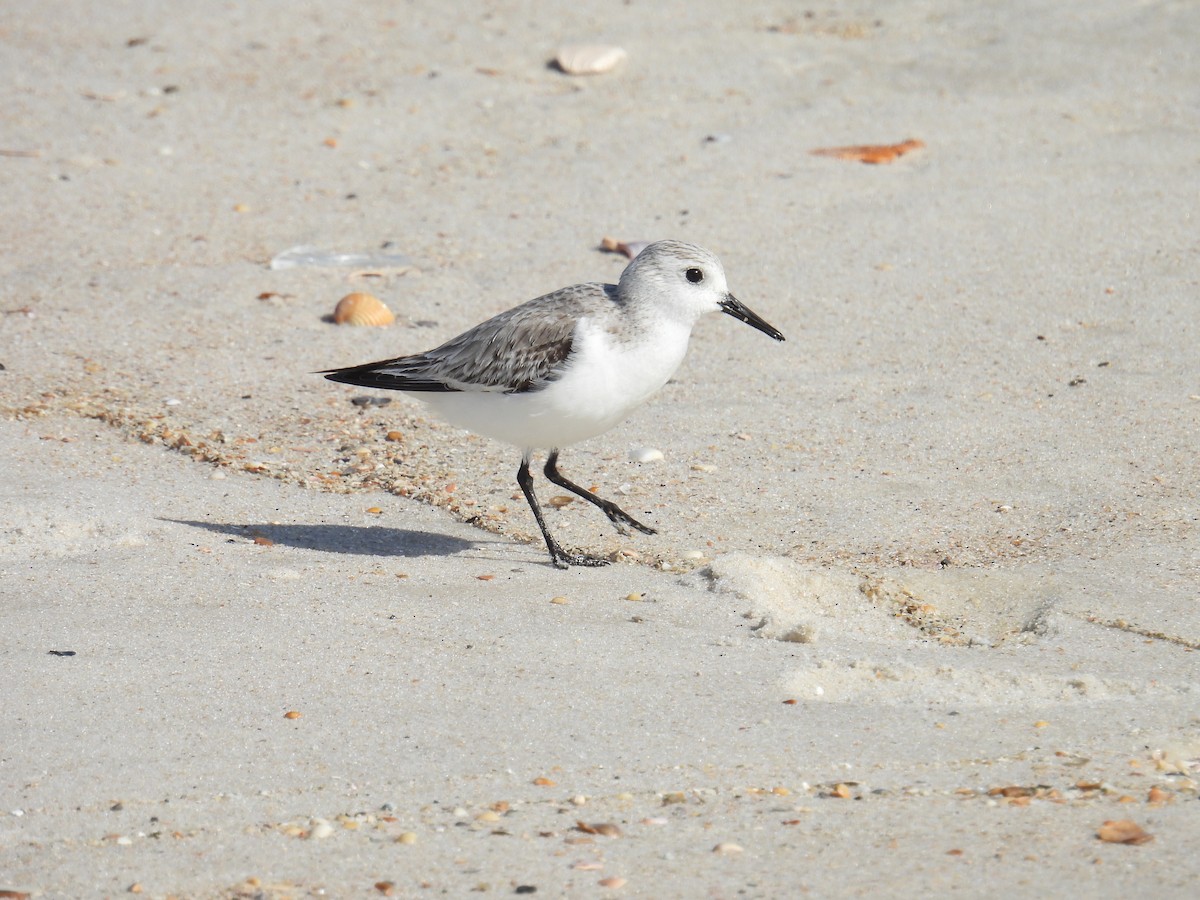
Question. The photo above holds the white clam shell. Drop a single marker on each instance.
(589, 59)
(645, 455)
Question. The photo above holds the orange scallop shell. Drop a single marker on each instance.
(362, 309)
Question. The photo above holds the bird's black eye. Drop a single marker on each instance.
(694, 275)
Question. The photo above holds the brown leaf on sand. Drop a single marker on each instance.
(1123, 831)
(872, 154)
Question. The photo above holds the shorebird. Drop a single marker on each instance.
(568, 366)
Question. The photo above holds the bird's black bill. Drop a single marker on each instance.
(732, 306)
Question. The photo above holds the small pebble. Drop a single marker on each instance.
(370, 401)
(725, 848)
(409, 837)
(561, 601)
(614, 882)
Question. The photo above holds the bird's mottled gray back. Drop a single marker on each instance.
(520, 350)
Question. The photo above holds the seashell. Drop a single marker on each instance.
(589, 59)
(362, 309)
(630, 248)
(645, 455)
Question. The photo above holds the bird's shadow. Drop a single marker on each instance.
(371, 540)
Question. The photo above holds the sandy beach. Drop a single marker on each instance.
(922, 612)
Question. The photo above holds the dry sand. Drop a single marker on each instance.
(922, 612)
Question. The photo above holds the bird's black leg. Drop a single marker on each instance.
(558, 556)
(615, 514)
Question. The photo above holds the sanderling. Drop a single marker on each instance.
(569, 365)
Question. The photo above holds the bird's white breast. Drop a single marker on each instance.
(607, 376)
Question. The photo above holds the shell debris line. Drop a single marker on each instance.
(362, 309)
(589, 59)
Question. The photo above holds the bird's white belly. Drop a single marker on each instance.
(603, 383)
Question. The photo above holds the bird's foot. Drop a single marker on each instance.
(564, 560)
(620, 519)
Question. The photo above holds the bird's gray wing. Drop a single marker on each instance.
(523, 349)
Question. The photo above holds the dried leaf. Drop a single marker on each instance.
(872, 154)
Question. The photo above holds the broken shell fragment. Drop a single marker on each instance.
(362, 309)
(630, 248)
(589, 59)
(645, 455)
